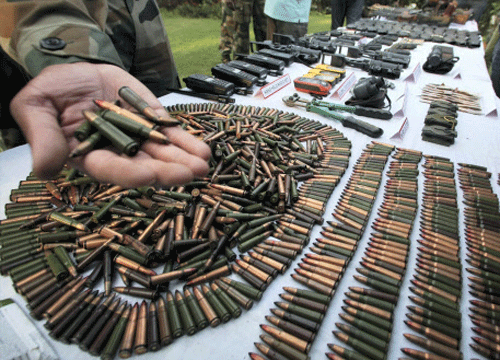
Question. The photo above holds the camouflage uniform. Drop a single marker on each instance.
(126, 33)
(236, 17)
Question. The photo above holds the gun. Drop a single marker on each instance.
(386, 56)
(373, 67)
(289, 52)
(272, 64)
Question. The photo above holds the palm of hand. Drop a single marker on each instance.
(49, 109)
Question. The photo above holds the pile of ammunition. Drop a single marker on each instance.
(62, 237)
(482, 225)
(437, 283)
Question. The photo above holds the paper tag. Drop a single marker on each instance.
(364, 40)
(415, 74)
(274, 86)
(345, 87)
(401, 112)
(402, 130)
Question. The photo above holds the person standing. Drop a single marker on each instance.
(350, 10)
(235, 27)
(287, 17)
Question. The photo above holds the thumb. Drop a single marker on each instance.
(49, 148)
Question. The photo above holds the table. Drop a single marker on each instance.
(478, 143)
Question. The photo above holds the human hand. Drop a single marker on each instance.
(49, 109)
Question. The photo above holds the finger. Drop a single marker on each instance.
(49, 147)
(188, 142)
(140, 170)
(173, 154)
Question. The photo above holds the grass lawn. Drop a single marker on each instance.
(195, 42)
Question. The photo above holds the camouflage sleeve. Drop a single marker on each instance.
(63, 31)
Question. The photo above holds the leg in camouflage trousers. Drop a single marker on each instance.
(236, 18)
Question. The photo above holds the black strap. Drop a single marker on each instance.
(376, 101)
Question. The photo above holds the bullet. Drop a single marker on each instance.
(433, 297)
(126, 342)
(235, 295)
(103, 335)
(262, 275)
(169, 276)
(93, 331)
(366, 326)
(287, 338)
(269, 352)
(80, 307)
(290, 352)
(346, 353)
(243, 288)
(67, 309)
(292, 328)
(187, 321)
(124, 112)
(82, 317)
(66, 220)
(308, 294)
(360, 335)
(66, 295)
(421, 355)
(127, 124)
(278, 266)
(137, 292)
(118, 138)
(212, 317)
(117, 334)
(433, 334)
(216, 304)
(195, 310)
(140, 339)
(361, 347)
(433, 323)
(163, 323)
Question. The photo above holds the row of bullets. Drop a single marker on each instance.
(322, 268)
(482, 226)
(65, 237)
(359, 333)
(437, 282)
(370, 317)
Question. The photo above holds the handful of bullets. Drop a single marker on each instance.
(65, 238)
(123, 129)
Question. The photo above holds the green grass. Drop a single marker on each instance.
(195, 42)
